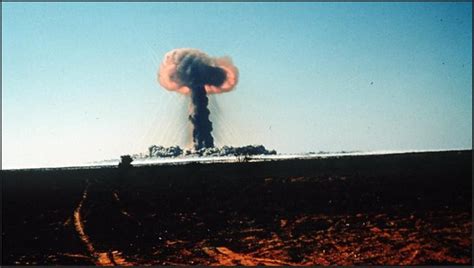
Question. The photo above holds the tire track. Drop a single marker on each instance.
(226, 257)
(109, 258)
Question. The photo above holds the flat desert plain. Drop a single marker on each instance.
(409, 209)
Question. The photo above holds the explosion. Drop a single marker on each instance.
(192, 72)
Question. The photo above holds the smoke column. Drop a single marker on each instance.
(192, 72)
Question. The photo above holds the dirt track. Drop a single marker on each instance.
(395, 209)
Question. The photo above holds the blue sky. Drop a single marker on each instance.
(79, 79)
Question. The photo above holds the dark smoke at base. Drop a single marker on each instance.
(199, 118)
(175, 151)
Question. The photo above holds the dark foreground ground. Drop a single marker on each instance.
(392, 209)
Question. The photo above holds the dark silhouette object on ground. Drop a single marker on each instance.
(124, 173)
(125, 162)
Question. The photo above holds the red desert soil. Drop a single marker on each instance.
(410, 209)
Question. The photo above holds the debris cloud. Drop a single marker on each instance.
(192, 72)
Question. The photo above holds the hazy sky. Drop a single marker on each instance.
(79, 79)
